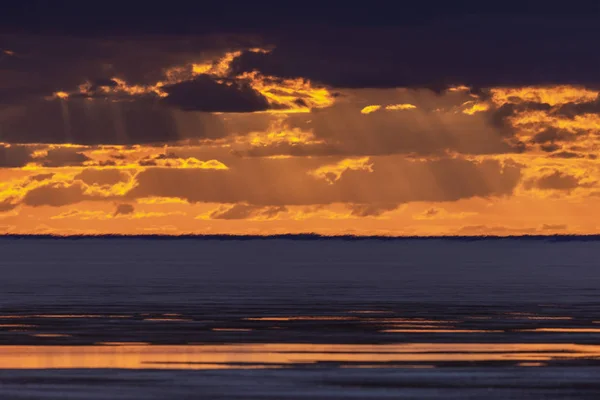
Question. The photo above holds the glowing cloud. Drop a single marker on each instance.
(283, 95)
(394, 107)
(475, 108)
(333, 172)
(552, 95)
(370, 109)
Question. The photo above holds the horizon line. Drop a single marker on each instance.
(302, 236)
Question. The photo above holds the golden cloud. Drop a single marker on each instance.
(283, 95)
(370, 109)
(390, 107)
(333, 172)
(552, 95)
(161, 200)
(406, 106)
(278, 133)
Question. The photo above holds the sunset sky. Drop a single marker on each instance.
(433, 123)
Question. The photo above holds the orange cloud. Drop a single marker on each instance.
(333, 172)
(390, 107)
(278, 133)
(244, 211)
(521, 160)
(370, 109)
(474, 107)
(283, 95)
(552, 95)
(440, 213)
(394, 107)
(289, 95)
(161, 200)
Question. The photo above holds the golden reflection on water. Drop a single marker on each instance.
(531, 364)
(17, 326)
(141, 356)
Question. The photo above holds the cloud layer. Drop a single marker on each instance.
(435, 126)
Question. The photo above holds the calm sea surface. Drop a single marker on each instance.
(297, 319)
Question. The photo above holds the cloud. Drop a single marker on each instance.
(382, 57)
(274, 182)
(440, 213)
(14, 156)
(430, 213)
(62, 157)
(40, 177)
(247, 211)
(83, 215)
(370, 210)
(557, 180)
(96, 122)
(370, 109)
(48, 63)
(8, 204)
(124, 209)
(333, 172)
(171, 160)
(553, 227)
(494, 230)
(206, 94)
(95, 176)
(55, 194)
(434, 127)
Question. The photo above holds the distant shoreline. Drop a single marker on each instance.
(307, 237)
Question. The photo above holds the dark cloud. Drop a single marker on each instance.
(94, 176)
(549, 135)
(394, 180)
(40, 177)
(571, 110)
(74, 18)
(485, 230)
(103, 83)
(206, 94)
(343, 129)
(101, 122)
(63, 157)
(499, 116)
(566, 154)
(431, 212)
(44, 64)
(8, 204)
(55, 194)
(124, 209)
(14, 156)
(557, 180)
(436, 53)
(550, 147)
(272, 212)
(245, 211)
(553, 227)
(61, 193)
(370, 210)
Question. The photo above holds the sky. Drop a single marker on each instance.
(206, 119)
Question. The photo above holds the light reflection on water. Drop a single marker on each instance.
(140, 356)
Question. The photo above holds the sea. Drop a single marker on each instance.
(299, 317)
